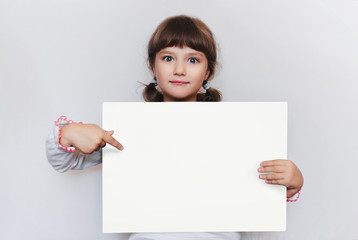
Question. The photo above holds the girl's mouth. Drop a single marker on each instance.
(179, 82)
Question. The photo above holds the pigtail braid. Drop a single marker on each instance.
(151, 94)
(211, 95)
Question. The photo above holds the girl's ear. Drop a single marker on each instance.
(153, 70)
(207, 75)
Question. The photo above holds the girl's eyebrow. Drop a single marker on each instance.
(166, 52)
(197, 54)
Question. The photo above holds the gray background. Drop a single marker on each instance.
(67, 57)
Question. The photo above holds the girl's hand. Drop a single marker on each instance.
(282, 172)
(87, 138)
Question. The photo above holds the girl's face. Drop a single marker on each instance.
(180, 73)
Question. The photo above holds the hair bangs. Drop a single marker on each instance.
(182, 33)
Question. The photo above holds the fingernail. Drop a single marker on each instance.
(261, 176)
(121, 148)
(259, 169)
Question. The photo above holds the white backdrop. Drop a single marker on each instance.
(67, 57)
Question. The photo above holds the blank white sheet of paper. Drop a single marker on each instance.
(192, 167)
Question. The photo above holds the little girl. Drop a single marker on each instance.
(182, 57)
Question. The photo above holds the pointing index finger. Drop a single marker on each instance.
(111, 140)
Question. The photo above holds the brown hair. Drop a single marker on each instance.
(181, 31)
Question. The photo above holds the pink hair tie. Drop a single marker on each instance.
(298, 196)
(60, 123)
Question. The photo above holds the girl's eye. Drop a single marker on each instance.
(193, 60)
(168, 58)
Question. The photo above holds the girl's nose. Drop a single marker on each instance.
(179, 68)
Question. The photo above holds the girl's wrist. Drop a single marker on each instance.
(62, 142)
(294, 197)
(293, 194)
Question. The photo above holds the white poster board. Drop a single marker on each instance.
(192, 167)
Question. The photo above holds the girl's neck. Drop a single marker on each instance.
(169, 99)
